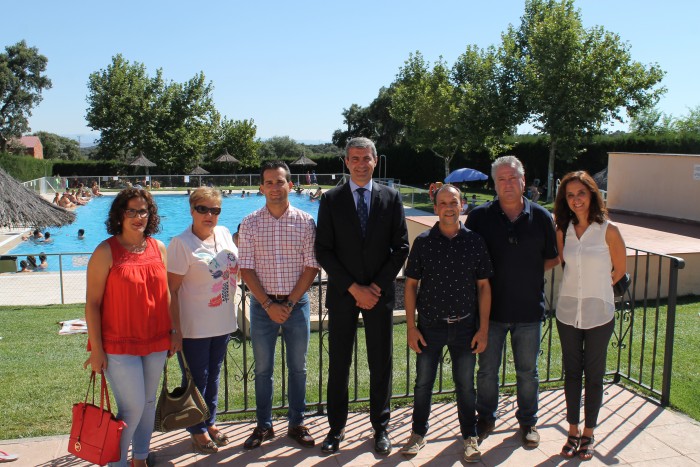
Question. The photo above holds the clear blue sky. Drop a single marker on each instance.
(292, 66)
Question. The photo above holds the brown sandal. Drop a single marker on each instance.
(206, 448)
(571, 447)
(220, 439)
(585, 449)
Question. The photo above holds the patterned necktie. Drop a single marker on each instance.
(362, 210)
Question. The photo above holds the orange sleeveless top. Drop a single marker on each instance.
(135, 318)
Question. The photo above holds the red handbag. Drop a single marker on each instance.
(95, 433)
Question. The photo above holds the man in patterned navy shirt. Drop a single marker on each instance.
(453, 267)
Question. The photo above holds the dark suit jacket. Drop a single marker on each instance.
(347, 257)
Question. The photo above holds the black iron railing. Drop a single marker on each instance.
(641, 349)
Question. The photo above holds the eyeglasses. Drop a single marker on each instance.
(207, 210)
(131, 213)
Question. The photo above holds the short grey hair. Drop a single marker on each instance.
(360, 142)
(507, 160)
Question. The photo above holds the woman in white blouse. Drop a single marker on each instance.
(202, 276)
(592, 252)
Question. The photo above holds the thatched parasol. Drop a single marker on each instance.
(22, 207)
(226, 157)
(199, 171)
(601, 179)
(302, 161)
(141, 161)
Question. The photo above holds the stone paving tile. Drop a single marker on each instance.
(635, 446)
(632, 431)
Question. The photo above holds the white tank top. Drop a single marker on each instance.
(586, 295)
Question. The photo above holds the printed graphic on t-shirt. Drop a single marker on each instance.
(224, 270)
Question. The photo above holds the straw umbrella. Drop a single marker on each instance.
(199, 171)
(302, 162)
(141, 161)
(22, 207)
(226, 157)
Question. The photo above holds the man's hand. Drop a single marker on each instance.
(278, 312)
(415, 339)
(366, 297)
(480, 340)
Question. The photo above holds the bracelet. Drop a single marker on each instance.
(267, 304)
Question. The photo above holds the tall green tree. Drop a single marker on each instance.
(374, 121)
(59, 147)
(239, 138)
(574, 80)
(172, 123)
(22, 81)
(467, 107)
(279, 147)
(425, 102)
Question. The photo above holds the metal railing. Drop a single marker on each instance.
(640, 354)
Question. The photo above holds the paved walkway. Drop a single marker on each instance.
(631, 431)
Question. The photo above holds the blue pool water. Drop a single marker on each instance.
(174, 218)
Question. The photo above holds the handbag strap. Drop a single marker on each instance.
(91, 383)
(187, 372)
(104, 394)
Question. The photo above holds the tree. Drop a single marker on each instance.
(689, 123)
(374, 121)
(279, 147)
(468, 107)
(238, 137)
(59, 147)
(21, 84)
(172, 123)
(573, 80)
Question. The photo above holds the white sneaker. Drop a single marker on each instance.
(414, 445)
(471, 449)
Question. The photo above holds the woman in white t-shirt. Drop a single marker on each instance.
(593, 252)
(202, 276)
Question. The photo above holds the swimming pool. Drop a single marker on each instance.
(174, 218)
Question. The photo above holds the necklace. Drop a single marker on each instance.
(135, 247)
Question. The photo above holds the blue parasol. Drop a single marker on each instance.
(465, 175)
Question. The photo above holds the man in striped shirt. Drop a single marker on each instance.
(278, 265)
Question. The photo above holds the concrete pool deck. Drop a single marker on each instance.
(632, 431)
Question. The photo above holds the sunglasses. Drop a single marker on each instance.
(206, 210)
(131, 213)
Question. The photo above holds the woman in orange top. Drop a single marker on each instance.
(127, 313)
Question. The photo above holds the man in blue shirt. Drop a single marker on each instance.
(453, 267)
(520, 238)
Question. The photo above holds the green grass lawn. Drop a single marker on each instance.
(41, 373)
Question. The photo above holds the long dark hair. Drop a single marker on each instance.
(597, 211)
(121, 203)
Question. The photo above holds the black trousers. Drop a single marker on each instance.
(342, 327)
(584, 351)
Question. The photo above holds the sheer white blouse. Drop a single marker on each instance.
(586, 295)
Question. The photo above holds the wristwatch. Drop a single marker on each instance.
(290, 304)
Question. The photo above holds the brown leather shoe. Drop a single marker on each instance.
(259, 435)
(301, 434)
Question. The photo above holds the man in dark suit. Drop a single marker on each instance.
(362, 243)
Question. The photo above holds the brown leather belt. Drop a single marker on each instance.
(278, 297)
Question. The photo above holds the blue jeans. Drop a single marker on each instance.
(205, 357)
(457, 337)
(525, 343)
(134, 382)
(295, 332)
